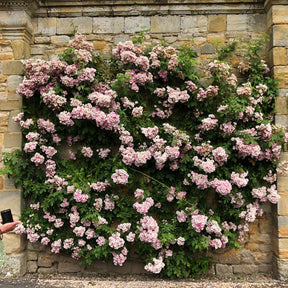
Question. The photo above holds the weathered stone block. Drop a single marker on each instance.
(69, 267)
(283, 92)
(281, 72)
(137, 267)
(216, 37)
(172, 40)
(120, 38)
(66, 11)
(11, 199)
(38, 50)
(32, 256)
(208, 49)
(246, 256)
(265, 268)
(217, 23)
(229, 257)
(13, 82)
(13, 243)
(257, 23)
(9, 183)
(99, 45)
(282, 269)
(4, 117)
(10, 105)
(283, 226)
(42, 40)
(263, 238)
(282, 248)
(15, 265)
(44, 260)
(106, 25)
(252, 246)
(12, 126)
(279, 35)
(12, 96)
(223, 269)
(99, 37)
(269, 19)
(136, 24)
(265, 226)
(60, 40)
(266, 248)
(21, 49)
(96, 11)
(131, 266)
(3, 79)
(263, 258)
(47, 270)
(47, 26)
(3, 88)
(68, 26)
(245, 269)
(12, 68)
(5, 42)
(32, 266)
(283, 204)
(281, 105)
(237, 22)
(165, 24)
(12, 140)
(279, 14)
(194, 24)
(4, 57)
(282, 120)
(253, 227)
(37, 246)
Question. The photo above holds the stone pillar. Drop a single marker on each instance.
(16, 32)
(277, 19)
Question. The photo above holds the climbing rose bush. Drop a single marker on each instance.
(133, 154)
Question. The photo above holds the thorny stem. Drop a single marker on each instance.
(150, 177)
(162, 184)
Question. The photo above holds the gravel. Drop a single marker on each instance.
(138, 281)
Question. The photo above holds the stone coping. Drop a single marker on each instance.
(269, 3)
(73, 8)
(21, 5)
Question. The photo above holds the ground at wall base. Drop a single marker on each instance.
(139, 281)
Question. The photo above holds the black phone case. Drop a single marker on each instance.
(6, 216)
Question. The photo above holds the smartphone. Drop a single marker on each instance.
(6, 216)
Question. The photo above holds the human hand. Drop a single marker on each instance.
(7, 227)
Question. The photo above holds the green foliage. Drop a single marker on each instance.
(140, 36)
(185, 265)
(163, 95)
(15, 166)
(227, 51)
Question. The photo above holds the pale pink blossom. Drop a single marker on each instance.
(101, 240)
(198, 222)
(87, 152)
(156, 267)
(222, 187)
(38, 159)
(115, 241)
(120, 176)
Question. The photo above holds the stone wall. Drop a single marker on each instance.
(39, 29)
(277, 25)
